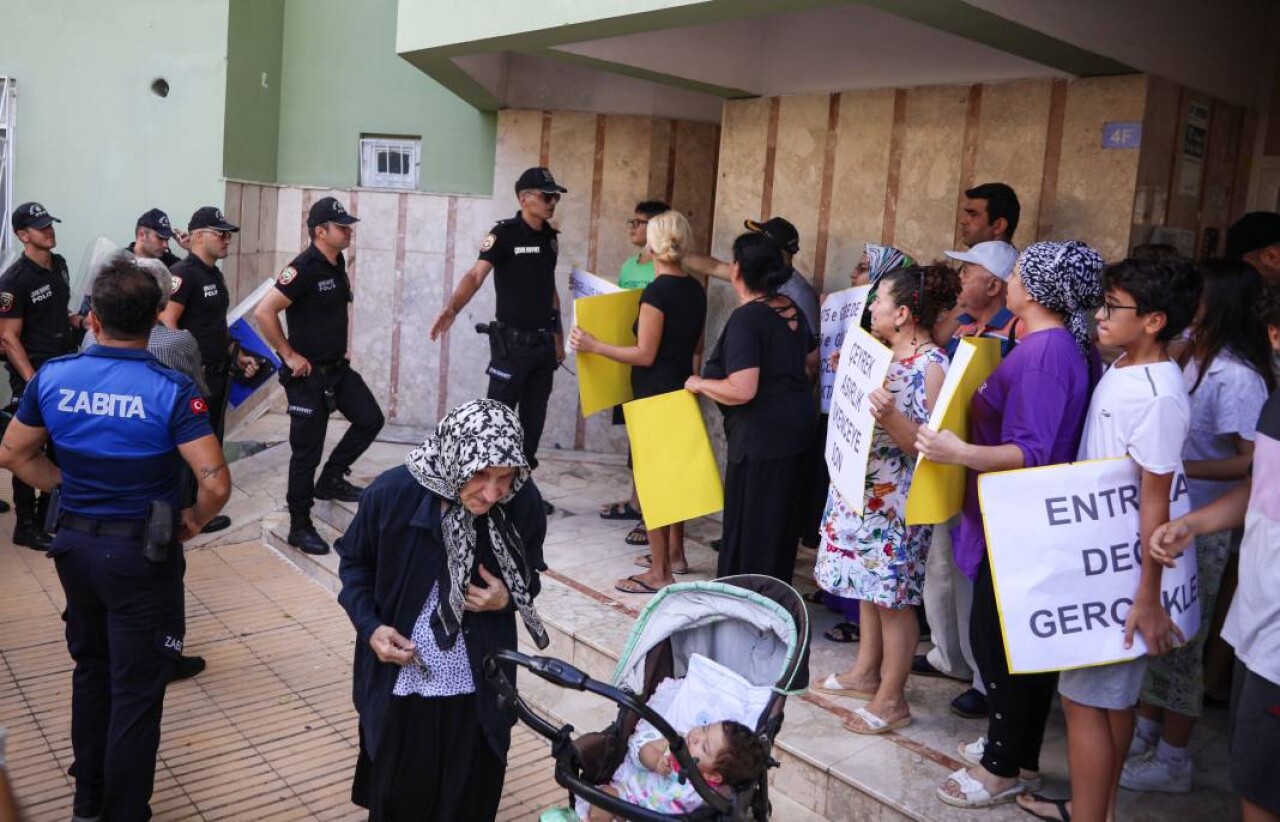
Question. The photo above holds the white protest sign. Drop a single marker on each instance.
(1066, 559)
(839, 311)
(585, 284)
(864, 363)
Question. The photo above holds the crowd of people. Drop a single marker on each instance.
(123, 440)
(1155, 357)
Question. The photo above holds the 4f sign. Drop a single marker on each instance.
(1121, 135)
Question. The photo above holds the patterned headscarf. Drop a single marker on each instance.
(472, 437)
(1064, 278)
(881, 259)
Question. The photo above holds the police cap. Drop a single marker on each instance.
(32, 215)
(539, 179)
(329, 210)
(211, 217)
(157, 221)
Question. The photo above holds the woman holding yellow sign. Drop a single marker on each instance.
(673, 312)
(756, 374)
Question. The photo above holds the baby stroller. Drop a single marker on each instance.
(754, 625)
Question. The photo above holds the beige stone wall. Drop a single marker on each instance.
(410, 249)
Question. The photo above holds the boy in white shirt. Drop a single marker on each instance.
(1139, 409)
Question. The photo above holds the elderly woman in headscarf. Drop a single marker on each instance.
(443, 552)
(1030, 412)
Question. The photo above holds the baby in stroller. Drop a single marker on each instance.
(728, 754)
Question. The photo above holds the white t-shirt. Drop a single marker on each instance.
(1226, 404)
(1140, 411)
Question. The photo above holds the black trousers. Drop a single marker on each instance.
(309, 411)
(27, 505)
(433, 763)
(219, 383)
(125, 630)
(522, 380)
(1019, 703)
(763, 508)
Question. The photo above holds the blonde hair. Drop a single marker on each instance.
(668, 236)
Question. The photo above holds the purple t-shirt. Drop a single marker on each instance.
(1036, 399)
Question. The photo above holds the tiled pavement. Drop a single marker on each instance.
(267, 732)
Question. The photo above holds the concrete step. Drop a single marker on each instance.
(323, 568)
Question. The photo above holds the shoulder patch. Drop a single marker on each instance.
(198, 406)
(489, 240)
(6, 302)
(175, 283)
(287, 276)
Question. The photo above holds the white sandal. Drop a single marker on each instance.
(975, 794)
(875, 724)
(972, 753)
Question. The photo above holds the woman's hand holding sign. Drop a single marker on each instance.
(942, 447)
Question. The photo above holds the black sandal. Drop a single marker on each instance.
(620, 510)
(638, 535)
(843, 632)
(1061, 804)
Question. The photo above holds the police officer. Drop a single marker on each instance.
(315, 294)
(199, 304)
(151, 238)
(35, 326)
(125, 425)
(527, 341)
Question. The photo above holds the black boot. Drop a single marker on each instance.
(187, 667)
(303, 536)
(333, 485)
(27, 534)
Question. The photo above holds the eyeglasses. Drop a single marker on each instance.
(1109, 307)
(636, 223)
(549, 196)
(221, 235)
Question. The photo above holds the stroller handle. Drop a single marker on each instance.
(562, 673)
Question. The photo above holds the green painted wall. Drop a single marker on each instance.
(342, 78)
(255, 35)
(92, 141)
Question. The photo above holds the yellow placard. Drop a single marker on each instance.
(602, 382)
(676, 474)
(937, 491)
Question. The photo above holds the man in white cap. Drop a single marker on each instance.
(948, 593)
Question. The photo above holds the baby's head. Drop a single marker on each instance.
(727, 752)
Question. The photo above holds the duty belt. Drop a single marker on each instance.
(522, 337)
(327, 368)
(103, 527)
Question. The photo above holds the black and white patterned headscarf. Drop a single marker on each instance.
(1066, 279)
(472, 437)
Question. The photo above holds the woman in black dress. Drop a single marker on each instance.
(756, 375)
(673, 312)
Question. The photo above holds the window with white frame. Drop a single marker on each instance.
(389, 162)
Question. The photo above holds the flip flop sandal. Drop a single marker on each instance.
(646, 561)
(874, 725)
(843, 632)
(973, 793)
(644, 587)
(637, 536)
(1061, 804)
(620, 510)
(831, 685)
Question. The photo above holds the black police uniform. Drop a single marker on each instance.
(118, 417)
(522, 346)
(39, 297)
(320, 293)
(202, 292)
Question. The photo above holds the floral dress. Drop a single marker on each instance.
(876, 557)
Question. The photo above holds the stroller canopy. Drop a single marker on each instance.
(754, 625)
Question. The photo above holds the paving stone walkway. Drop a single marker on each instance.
(266, 733)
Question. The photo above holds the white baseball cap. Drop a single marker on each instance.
(995, 256)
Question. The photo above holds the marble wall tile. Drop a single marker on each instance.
(288, 219)
(268, 207)
(247, 218)
(519, 144)
(417, 378)
(798, 168)
(660, 137)
(571, 159)
(624, 181)
(740, 183)
(929, 185)
(693, 189)
(469, 351)
(378, 212)
(371, 317)
(427, 223)
(1219, 178)
(1013, 127)
(1085, 208)
(860, 172)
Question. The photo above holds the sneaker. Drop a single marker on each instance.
(27, 534)
(337, 488)
(1155, 775)
(1139, 747)
(307, 540)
